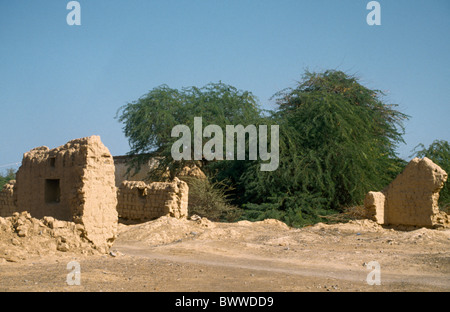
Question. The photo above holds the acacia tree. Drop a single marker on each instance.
(148, 122)
(337, 141)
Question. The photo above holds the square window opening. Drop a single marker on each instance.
(52, 191)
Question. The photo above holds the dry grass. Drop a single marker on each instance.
(350, 213)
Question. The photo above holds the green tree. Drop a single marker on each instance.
(337, 141)
(148, 122)
(439, 153)
(10, 175)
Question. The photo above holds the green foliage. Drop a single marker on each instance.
(148, 122)
(337, 141)
(10, 175)
(439, 153)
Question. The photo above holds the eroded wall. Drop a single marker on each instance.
(140, 201)
(8, 199)
(73, 182)
(412, 198)
(98, 193)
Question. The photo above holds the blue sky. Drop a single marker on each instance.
(61, 82)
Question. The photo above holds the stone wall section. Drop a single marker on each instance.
(8, 199)
(73, 182)
(412, 198)
(98, 194)
(138, 200)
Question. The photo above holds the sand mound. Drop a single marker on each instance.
(167, 230)
(352, 226)
(164, 230)
(23, 237)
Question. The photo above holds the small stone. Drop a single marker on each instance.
(195, 217)
(64, 247)
(12, 259)
(59, 224)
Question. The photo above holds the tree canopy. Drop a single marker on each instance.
(337, 141)
(148, 122)
(439, 153)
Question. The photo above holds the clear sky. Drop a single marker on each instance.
(61, 82)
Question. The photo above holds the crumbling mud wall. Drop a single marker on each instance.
(374, 204)
(8, 199)
(412, 198)
(73, 182)
(140, 201)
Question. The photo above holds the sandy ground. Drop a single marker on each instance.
(189, 256)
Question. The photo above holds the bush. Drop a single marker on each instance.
(209, 199)
(10, 175)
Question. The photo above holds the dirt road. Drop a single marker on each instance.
(182, 255)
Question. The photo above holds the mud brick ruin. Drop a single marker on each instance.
(140, 201)
(77, 182)
(73, 182)
(412, 198)
(81, 182)
(8, 199)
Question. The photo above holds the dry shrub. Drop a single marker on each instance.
(209, 199)
(349, 213)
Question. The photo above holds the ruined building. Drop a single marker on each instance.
(412, 198)
(77, 182)
(73, 182)
(142, 201)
